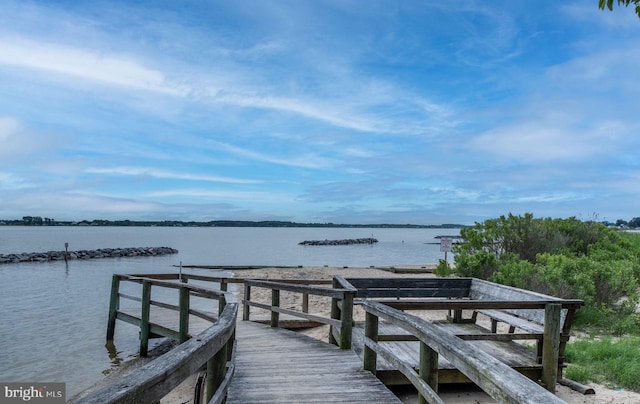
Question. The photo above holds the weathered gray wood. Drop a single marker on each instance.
(194, 289)
(460, 304)
(275, 302)
(385, 283)
(521, 323)
(184, 314)
(144, 318)
(216, 370)
(581, 388)
(245, 302)
(335, 311)
(281, 366)
(114, 305)
(370, 359)
(157, 378)
(220, 396)
(411, 292)
(550, 346)
(428, 368)
(290, 287)
(406, 368)
(494, 377)
(346, 319)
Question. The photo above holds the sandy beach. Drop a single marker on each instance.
(451, 394)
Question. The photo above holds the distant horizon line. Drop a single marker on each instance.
(39, 221)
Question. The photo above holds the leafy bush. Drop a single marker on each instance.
(442, 269)
(566, 258)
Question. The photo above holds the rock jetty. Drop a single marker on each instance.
(86, 254)
(349, 241)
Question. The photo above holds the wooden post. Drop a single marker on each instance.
(428, 369)
(66, 253)
(144, 318)
(335, 313)
(216, 370)
(346, 318)
(184, 314)
(370, 357)
(305, 302)
(247, 299)
(550, 345)
(114, 305)
(222, 301)
(275, 302)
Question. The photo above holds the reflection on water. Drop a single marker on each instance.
(54, 315)
(114, 354)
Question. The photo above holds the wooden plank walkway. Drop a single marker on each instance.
(274, 365)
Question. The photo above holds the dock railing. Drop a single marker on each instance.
(341, 295)
(501, 382)
(212, 347)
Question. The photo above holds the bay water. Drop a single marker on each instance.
(53, 316)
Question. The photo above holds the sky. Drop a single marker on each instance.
(341, 111)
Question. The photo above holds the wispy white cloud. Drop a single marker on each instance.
(222, 195)
(165, 174)
(84, 64)
(305, 161)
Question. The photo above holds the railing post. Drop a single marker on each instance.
(428, 369)
(305, 302)
(275, 302)
(247, 299)
(216, 370)
(346, 318)
(221, 300)
(335, 313)
(370, 358)
(551, 345)
(184, 314)
(144, 318)
(114, 305)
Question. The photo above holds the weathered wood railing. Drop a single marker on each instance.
(341, 294)
(545, 319)
(213, 347)
(149, 329)
(495, 378)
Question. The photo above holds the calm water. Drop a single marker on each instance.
(53, 320)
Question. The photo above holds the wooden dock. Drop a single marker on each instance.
(281, 366)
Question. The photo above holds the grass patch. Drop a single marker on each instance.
(608, 360)
(607, 321)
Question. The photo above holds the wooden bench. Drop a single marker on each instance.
(545, 319)
(530, 321)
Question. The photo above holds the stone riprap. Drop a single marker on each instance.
(86, 254)
(349, 241)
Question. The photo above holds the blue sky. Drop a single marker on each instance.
(421, 112)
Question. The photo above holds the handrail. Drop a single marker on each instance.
(214, 346)
(157, 378)
(341, 298)
(494, 377)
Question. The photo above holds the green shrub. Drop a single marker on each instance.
(566, 258)
(482, 265)
(442, 269)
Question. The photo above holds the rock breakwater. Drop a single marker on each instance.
(86, 254)
(349, 241)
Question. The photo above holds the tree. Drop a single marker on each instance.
(609, 4)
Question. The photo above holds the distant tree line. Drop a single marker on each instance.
(39, 221)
